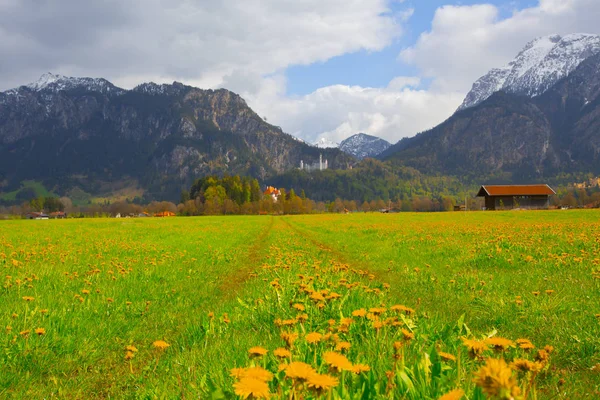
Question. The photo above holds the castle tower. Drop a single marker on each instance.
(320, 162)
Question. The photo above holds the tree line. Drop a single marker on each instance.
(231, 195)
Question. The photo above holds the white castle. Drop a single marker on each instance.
(320, 166)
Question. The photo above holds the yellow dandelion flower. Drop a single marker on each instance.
(337, 361)
(377, 325)
(523, 365)
(317, 297)
(360, 368)
(289, 338)
(85, 291)
(536, 293)
(341, 346)
(257, 351)
(129, 355)
(476, 347)
(407, 335)
(110, 299)
(40, 331)
(25, 333)
(160, 344)
(549, 292)
(252, 388)
(299, 307)
(237, 373)
(44, 311)
(299, 371)
(258, 373)
(377, 310)
(313, 337)
(282, 353)
(401, 308)
(359, 313)
(321, 383)
(456, 394)
(446, 356)
(133, 349)
(28, 298)
(499, 343)
(496, 379)
(302, 317)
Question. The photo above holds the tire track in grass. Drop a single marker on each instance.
(336, 254)
(233, 282)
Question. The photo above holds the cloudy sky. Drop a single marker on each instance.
(317, 68)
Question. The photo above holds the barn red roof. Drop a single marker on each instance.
(515, 190)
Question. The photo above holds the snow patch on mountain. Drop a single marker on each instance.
(362, 145)
(56, 83)
(542, 63)
(325, 143)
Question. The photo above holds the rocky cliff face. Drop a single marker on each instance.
(516, 137)
(85, 132)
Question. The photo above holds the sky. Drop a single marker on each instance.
(317, 68)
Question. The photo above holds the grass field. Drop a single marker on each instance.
(353, 306)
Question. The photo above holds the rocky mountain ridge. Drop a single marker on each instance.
(88, 133)
(543, 62)
(362, 145)
(511, 137)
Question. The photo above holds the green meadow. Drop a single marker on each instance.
(363, 306)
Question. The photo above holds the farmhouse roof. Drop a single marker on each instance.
(515, 190)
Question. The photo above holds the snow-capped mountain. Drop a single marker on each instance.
(325, 143)
(542, 63)
(362, 145)
(56, 83)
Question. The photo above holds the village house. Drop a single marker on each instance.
(273, 192)
(508, 197)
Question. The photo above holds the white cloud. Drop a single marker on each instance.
(336, 112)
(191, 41)
(466, 41)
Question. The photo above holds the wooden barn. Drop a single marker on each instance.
(508, 197)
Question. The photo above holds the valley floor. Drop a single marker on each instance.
(165, 308)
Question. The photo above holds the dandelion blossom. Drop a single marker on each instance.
(282, 353)
(40, 331)
(337, 361)
(476, 347)
(359, 313)
(499, 343)
(160, 344)
(321, 383)
(496, 379)
(360, 368)
(257, 373)
(299, 370)
(257, 351)
(313, 337)
(252, 388)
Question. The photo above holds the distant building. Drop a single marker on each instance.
(508, 197)
(318, 166)
(163, 214)
(37, 215)
(273, 192)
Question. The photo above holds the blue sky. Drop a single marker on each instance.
(377, 69)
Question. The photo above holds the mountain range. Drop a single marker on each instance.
(88, 134)
(537, 118)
